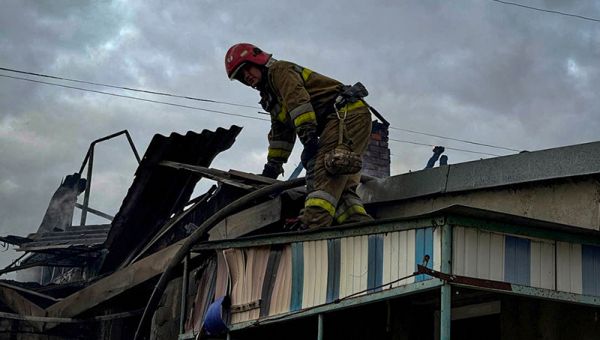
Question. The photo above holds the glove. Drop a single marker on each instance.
(309, 138)
(439, 150)
(309, 153)
(272, 170)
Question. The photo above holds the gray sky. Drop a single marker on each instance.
(469, 69)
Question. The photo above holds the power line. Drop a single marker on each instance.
(546, 10)
(138, 98)
(447, 148)
(126, 88)
(209, 110)
(223, 102)
(455, 139)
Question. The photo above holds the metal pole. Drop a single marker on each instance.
(95, 212)
(320, 330)
(135, 153)
(445, 312)
(446, 290)
(88, 187)
(184, 288)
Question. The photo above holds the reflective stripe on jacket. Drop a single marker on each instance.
(303, 100)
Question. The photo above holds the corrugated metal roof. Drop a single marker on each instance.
(158, 192)
(91, 236)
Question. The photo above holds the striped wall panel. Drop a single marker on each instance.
(568, 267)
(235, 260)
(314, 286)
(548, 264)
(285, 278)
(333, 269)
(297, 281)
(353, 264)
(437, 249)
(247, 268)
(280, 296)
(399, 257)
(517, 260)
(375, 262)
(543, 265)
(301, 275)
(423, 246)
(590, 265)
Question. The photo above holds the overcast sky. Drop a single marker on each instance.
(468, 69)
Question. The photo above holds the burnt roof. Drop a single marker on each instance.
(158, 192)
(83, 238)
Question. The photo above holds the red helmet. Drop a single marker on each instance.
(240, 54)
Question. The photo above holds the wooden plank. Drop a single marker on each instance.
(28, 291)
(247, 221)
(251, 177)
(114, 284)
(214, 174)
(22, 306)
(46, 319)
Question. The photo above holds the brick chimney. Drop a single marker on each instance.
(376, 161)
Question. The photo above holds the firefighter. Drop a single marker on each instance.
(314, 108)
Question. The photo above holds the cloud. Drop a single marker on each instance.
(475, 70)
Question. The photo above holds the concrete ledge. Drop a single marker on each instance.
(564, 162)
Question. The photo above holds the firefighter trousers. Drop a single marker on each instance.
(334, 197)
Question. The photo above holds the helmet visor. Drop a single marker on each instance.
(236, 74)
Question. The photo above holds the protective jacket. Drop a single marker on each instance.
(299, 101)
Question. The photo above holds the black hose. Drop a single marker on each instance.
(231, 208)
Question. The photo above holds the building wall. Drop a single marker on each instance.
(570, 202)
